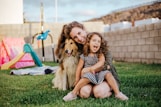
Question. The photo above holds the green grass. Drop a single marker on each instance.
(140, 82)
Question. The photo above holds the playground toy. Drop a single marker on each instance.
(26, 49)
(11, 47)
(42, 36)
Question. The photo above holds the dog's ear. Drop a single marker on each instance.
(61, 58)
(59, 53)
(75, 51)
(62, 45)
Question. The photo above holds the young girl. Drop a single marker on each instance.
(94, 48)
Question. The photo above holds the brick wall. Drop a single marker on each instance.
(136, 44)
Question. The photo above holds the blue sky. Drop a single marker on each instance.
(79, 10)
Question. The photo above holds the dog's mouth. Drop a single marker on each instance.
(69, 52)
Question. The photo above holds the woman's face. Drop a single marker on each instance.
(78, 35)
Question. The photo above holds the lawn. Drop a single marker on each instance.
(140, 82)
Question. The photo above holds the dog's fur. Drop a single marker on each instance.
(65, 74)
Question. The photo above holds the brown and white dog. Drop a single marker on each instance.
(65, 75)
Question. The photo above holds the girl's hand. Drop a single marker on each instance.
(76, 81)
(85, 70)
(88, 69)
(92, 71)
(108, 67)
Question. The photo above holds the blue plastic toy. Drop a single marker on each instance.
(43, 36)
(28, 49)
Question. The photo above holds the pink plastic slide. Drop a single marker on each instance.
(12, 62)
(12, 56)
(3, 55)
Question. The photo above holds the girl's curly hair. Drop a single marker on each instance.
(103, 48)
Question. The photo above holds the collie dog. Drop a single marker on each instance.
(65, 75)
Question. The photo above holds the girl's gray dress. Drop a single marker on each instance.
(96, 78)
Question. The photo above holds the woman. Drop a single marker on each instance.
(77, 32)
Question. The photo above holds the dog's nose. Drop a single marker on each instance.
(66, 51)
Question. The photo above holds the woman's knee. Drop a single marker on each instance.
(98, 92)
(102, 90)
(85, 91)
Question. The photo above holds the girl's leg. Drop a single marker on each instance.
(82, 82)
(73, 95)
(102, 90)
(85, 91)
(113, 84)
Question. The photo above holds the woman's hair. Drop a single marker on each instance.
(65, 33)
(71, 25)
(103, 48)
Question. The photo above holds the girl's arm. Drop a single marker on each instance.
(78, 70)
(97, 67)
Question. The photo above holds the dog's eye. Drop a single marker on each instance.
(71, 43)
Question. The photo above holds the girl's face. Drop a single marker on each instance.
(78, 35)
(94, 43)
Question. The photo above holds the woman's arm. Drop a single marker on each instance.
(78, 70)
(97, 67)
(109, 58)
(109, 66)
